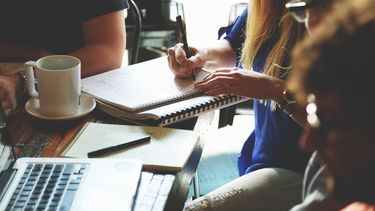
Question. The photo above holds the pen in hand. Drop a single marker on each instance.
(115, 148)
(182, 29)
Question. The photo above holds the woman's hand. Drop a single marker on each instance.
(241, 82)
(10, 89)
(183, 67)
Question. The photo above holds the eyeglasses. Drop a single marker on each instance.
(324, 126)
(298, 9)
(311, 108)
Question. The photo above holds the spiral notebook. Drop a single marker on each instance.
(149, 93)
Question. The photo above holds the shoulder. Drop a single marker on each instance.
(94, 8)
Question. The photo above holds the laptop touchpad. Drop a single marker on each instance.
(109, 187)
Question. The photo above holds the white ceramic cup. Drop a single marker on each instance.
(59, 84)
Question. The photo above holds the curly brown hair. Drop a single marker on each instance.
(339, 57)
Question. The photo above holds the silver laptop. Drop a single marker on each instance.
(65, 183)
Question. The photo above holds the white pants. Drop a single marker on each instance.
(263, 190)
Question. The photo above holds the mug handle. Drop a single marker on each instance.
(30, 80)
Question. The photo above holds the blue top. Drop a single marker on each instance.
(274, 141)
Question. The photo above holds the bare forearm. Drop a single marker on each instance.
(220, 54)
(98, 58)
(105, 39)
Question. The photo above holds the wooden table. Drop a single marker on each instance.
(39, 138)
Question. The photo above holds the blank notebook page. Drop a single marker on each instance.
(168, 150)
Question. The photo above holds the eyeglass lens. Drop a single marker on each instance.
(300, 16)
(299, 13)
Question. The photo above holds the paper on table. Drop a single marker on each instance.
(168, 150)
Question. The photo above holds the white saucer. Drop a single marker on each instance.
(87, 105)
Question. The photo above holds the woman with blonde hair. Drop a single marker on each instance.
(254, 57)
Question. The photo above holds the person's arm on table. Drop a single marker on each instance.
(250, 84)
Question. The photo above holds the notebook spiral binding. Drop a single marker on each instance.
(220, 101)
(169, 100)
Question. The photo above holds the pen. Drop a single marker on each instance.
(181, 26)
(100, 152)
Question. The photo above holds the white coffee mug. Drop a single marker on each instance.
(59, 84)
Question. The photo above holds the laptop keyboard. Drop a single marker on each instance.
(47, 187)
(153, 191)
(53, 187)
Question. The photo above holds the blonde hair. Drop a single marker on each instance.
(267, 17)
